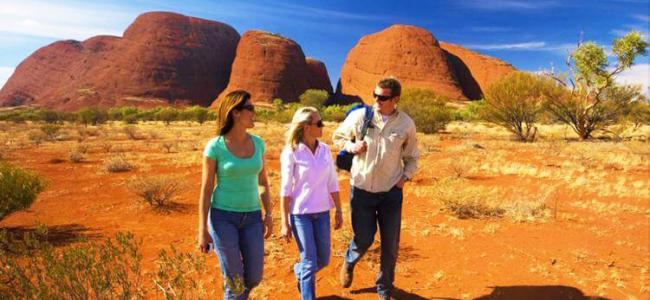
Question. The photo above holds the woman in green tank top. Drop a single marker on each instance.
(230, 215)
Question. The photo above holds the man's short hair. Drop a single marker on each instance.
(391, 83)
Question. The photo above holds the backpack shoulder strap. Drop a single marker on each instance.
(367, 119)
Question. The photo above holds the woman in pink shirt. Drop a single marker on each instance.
(309, 190)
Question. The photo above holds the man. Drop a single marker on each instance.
(384, 161)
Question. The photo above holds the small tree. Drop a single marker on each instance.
(595, 101)
(167, 115)
(516, 102)
(315, 98)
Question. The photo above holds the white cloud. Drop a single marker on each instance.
(5, 73)
(512, 46)
(63, 19)
(642, 18)
(639, 75)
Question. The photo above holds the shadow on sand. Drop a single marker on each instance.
(542, 292)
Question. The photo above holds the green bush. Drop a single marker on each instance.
(91, 116)
(315, 98)
(470, 113)
(18, 188)
(50, 131)
(167, 115)
(335, 113)
(428, 110)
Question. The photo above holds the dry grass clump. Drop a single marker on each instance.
(157, 191)
(132, 132)
(76, 156)
(117, 163)
(465, 201)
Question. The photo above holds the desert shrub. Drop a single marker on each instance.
(157, 191)
(76, 156)
(428, 110)
(117, 163)
(315, 98)
(18, 188)
(199, 114)
(50, 116)
(516, 101)
(50, 131)
(108, 270)
(91, 116)
(132, 132)
(470, 113)
(36, 136)
(335, 113)
(168, 145)
(167, 115)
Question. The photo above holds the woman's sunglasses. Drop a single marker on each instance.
(249, 107)
(381, 97)
(318, 124)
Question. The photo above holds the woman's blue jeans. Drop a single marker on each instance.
(312, 234)
(238, 239)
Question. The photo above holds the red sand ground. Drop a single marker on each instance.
(579, 253)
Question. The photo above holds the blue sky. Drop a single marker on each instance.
(531, 35)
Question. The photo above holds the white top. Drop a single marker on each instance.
(308, 178)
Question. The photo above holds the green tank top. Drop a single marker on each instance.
(237, 178)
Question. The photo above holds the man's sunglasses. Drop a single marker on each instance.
(381, 97)
(249, 107)
(318, 124)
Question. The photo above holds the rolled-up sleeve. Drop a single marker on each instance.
(286, 170)
(332, 181)
(343, 135)
(410, 154)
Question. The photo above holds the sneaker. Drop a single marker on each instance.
(346, 275)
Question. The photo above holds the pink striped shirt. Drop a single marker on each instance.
(308, 178)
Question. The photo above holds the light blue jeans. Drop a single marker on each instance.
(312, 234)
(238, 239)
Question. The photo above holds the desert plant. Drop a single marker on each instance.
(168, 145)
(50, 131)
(108, 270)
(76, 156)
(132, 132)
(157, 191)
(117, 163)
(315, 98)
(428, 110)
(594, 101)
(167, 115)
(91, 116)
(516, 101)
(18, 188)
(36, 137)
(171, 277)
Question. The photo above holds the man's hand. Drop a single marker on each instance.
(359, 147)
(401, 182)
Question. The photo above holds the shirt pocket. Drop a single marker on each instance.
(394, 142)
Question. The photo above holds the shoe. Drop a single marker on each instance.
(346, 275)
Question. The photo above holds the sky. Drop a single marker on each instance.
(531, 35)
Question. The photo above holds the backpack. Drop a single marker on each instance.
(344, 158)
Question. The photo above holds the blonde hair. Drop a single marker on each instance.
(225, 106)
(302, 116)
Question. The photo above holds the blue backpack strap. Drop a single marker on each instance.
(367, 119)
